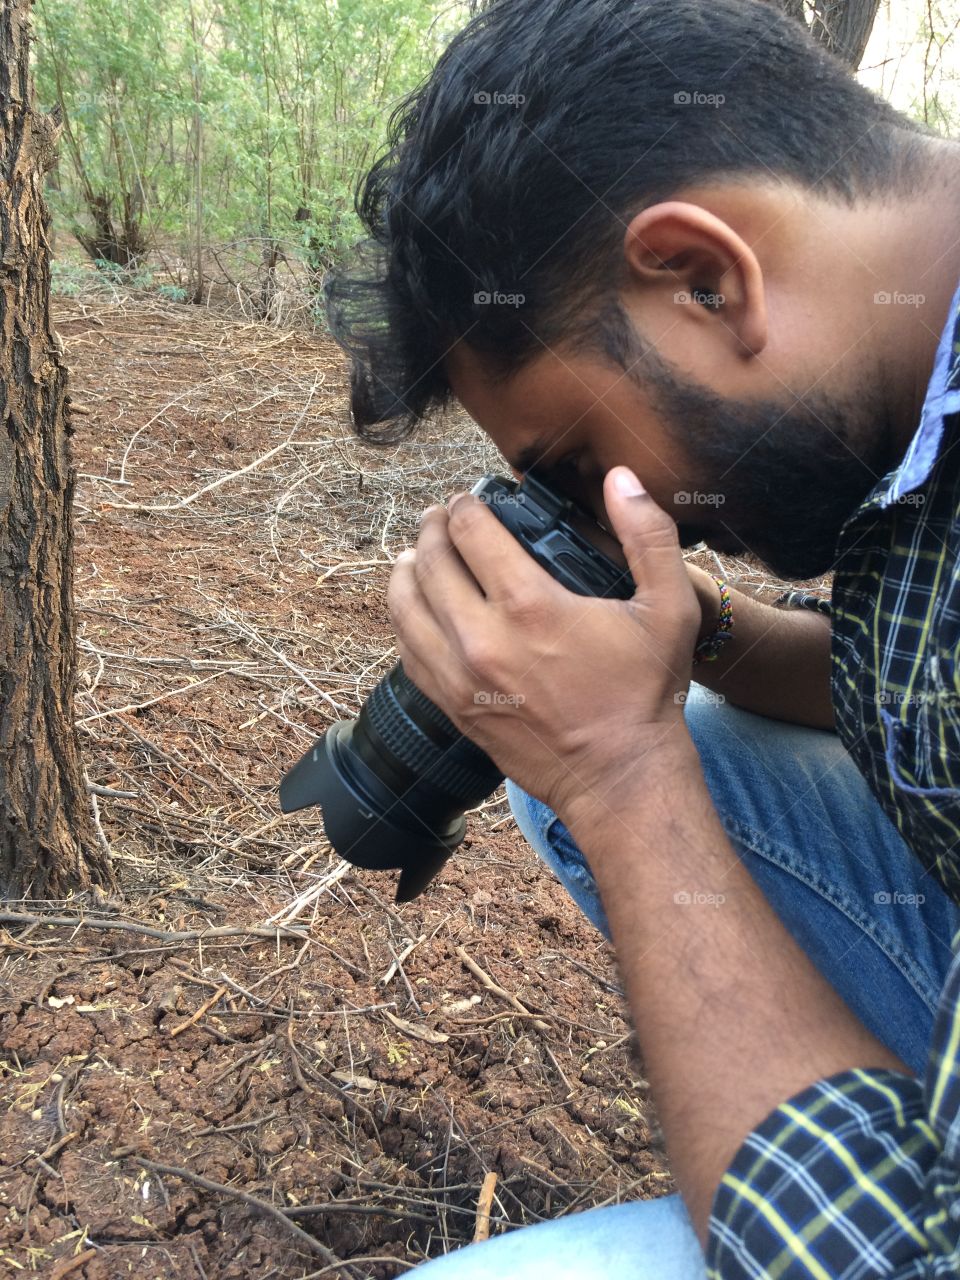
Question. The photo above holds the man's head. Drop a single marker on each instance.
(626, 231)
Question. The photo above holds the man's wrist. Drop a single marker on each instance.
(708, 597)
(654, 770)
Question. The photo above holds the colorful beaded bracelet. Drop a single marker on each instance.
(709, 650)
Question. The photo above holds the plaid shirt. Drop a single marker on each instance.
(859, 1176)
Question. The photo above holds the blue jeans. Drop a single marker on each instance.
(844, 884)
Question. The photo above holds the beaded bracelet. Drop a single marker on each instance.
(709, 650)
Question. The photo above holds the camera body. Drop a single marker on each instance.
(541, 521)
(394, 783)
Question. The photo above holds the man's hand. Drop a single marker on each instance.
(562, 691)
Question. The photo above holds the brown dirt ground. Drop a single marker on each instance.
(218, 635)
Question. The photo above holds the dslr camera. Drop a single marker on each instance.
(393, 785)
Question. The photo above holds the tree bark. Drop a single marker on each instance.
(843, 26)
(49, 843)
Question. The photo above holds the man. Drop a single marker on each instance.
(669, 253)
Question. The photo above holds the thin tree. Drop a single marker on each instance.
(49, 842)
(844, 26)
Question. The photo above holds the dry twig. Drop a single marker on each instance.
(167, 935)
(484, 1205)
(483, 977)
(259, 1206)
(198, 1014)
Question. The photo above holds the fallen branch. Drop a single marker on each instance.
(165, 935)
(222, 480)
(259, 1206)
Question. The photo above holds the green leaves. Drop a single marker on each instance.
(207, 120)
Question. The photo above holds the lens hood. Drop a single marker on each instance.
(365, 822)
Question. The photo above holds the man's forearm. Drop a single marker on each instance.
(731, 1016)
(777, 663)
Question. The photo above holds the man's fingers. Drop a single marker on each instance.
(647, 534)
(418, 632)
(444, 579)
(504, 570)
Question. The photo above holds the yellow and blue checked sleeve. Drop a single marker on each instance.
(856, 1178)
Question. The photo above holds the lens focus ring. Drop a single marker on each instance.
(421, 738)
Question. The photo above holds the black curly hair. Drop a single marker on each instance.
(545, 126)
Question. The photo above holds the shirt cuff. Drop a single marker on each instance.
(831, 1184)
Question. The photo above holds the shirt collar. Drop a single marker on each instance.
(942, 400)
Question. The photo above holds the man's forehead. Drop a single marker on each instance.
(526, 413)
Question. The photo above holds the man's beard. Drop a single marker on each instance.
(778, 479)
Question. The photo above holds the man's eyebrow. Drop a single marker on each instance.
(531, 455)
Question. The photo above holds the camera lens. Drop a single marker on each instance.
(394, 783)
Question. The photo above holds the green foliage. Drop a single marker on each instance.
(70, 278)
(66, 278)
(192, 122)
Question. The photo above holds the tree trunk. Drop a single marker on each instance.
(48, 839)
(844, 26)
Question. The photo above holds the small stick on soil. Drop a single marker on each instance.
(362, 1210)
(53, 1150)
(102, 840)
(398, 960)
(196, 1260)
(559, 1070)
(268, 1008)
(240, 1062)
(328, 1085)
(234, 1128)
(488, 982)
(166, 935)
(195, 1017)
(484, 1205)
(269, 977)
(385, 907)
(295, 1061)
(325, 1271)
(66, 1083)
(350, 967)
(259, 1206)
(72, 1264)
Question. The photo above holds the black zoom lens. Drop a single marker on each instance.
(394, 783)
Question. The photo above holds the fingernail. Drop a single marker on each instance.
(627, 484)
(424, 514)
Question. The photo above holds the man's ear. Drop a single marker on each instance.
(681, 255)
